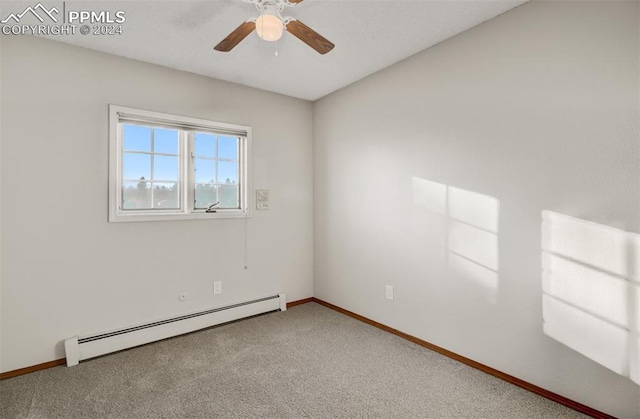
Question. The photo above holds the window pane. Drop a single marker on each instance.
(136, 166)
(229, 196)
(227, 172)
(137, 138)
(166, 195)
(206, 195)
(228, 148)
(205, 171)
(136, 195)
(165, 141)
(205, 145)
(165, 168)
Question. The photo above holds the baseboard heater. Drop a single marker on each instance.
(80, 348)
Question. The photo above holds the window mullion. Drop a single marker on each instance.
(151, 176)
(217, 182)
(189, 172)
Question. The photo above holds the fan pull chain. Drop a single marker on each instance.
(276, 48)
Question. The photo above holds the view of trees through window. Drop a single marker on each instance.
(151, 172)
(216, 171)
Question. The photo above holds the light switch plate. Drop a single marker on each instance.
(389, 292)
(262, 199)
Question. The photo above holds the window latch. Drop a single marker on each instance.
(211, 207)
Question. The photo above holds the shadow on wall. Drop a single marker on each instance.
(469, 231)
(591, 291)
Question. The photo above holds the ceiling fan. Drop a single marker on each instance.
(270, 26)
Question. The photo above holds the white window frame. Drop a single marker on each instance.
(185, 125)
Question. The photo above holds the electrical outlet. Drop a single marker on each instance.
(217, 287)
(389, 292)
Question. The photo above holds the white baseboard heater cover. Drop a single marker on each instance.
(80, 348)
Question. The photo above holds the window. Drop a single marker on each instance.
(167, 167)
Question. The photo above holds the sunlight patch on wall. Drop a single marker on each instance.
(592, 337)
(474, 208)
(431, 196)
(481, 276)
(591, 291)
(593, 244)
(475, 244)
(470, 233)
(582, 286)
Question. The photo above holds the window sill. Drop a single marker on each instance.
(219, 214)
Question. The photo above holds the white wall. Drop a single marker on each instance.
(534, 110)
(66, 271)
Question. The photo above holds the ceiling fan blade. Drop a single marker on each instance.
(309, 36)
(234, 38)
(295, 1)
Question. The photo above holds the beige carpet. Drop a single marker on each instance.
(306, 362)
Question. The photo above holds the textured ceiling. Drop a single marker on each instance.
(369, 36)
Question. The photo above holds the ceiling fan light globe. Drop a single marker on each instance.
(269, 27)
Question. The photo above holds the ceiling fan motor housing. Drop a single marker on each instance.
(271, 7)
(270, 25)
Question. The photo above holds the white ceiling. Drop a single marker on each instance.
(369, 36)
